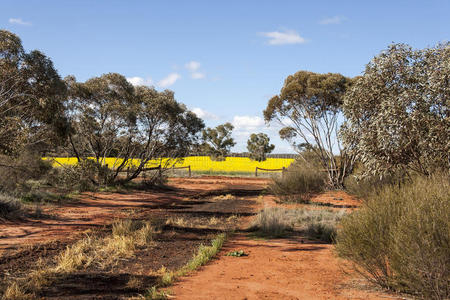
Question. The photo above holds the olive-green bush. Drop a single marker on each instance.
(298, 183)
(400, 238)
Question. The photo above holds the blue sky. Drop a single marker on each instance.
(223, 59)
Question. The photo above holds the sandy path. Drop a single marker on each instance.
(292, 268)
(275, 269)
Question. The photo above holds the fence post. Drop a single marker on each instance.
(189, 171)
(282, 172)
(256, 172)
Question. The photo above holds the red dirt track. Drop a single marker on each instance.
(291, 268)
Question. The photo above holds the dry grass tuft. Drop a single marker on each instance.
(125, 238)
(16, 292)
(224, 197)
(317, 224)
(134, 282)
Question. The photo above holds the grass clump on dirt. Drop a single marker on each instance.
(102, 252)
(126, 236)
(203, 255)
(298, 183)
(271, 222)
(400, 238)
(316, 224)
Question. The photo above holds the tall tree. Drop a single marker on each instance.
(308, 107)
(111, 118)
(32, 97)
(398, 111)
(259, 146)
(218, 141)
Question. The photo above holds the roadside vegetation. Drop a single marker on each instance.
(104, 253)
(314, 224)
(400, 238)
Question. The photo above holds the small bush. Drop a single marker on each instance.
(316, 224)
(364, 187)
(16, 171)
(320, 231)
(272, 222)
(10, 207)
(298, 183)
(400, 238)
(86, 175)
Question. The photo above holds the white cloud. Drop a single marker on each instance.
(18, 21)
(139, 81)
(332, 20)
(192, 66)
(287, 37)
(169, 80)
(248, 123)
(197, 75)
(203, 114)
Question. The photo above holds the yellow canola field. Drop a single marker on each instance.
(197, 163)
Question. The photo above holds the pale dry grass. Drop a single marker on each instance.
(318, 224)
(224, 197)
(126, 237)
(16, 292)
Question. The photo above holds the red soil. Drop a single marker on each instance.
(274, 269)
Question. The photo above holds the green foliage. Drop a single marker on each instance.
(299, 182)
(218, 141)
(400, 238)
(364, 186)
(205, 253)
(308, 108)
(86, 175)
(259, 146)
(15, 172)
(32, 98)
(111, 118)
(398, 116)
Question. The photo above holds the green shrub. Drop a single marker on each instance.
(16, 171)
(400, 238)
(364, 187)
(298, 183)
(86, 175)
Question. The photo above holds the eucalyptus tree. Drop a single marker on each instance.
(217, 142)
(111, 118)
(398, 111)
(309, 108)
(32, 97)
(166, 129)
(258, 145)
(101, 114)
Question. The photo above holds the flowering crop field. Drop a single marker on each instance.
(197, 163)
